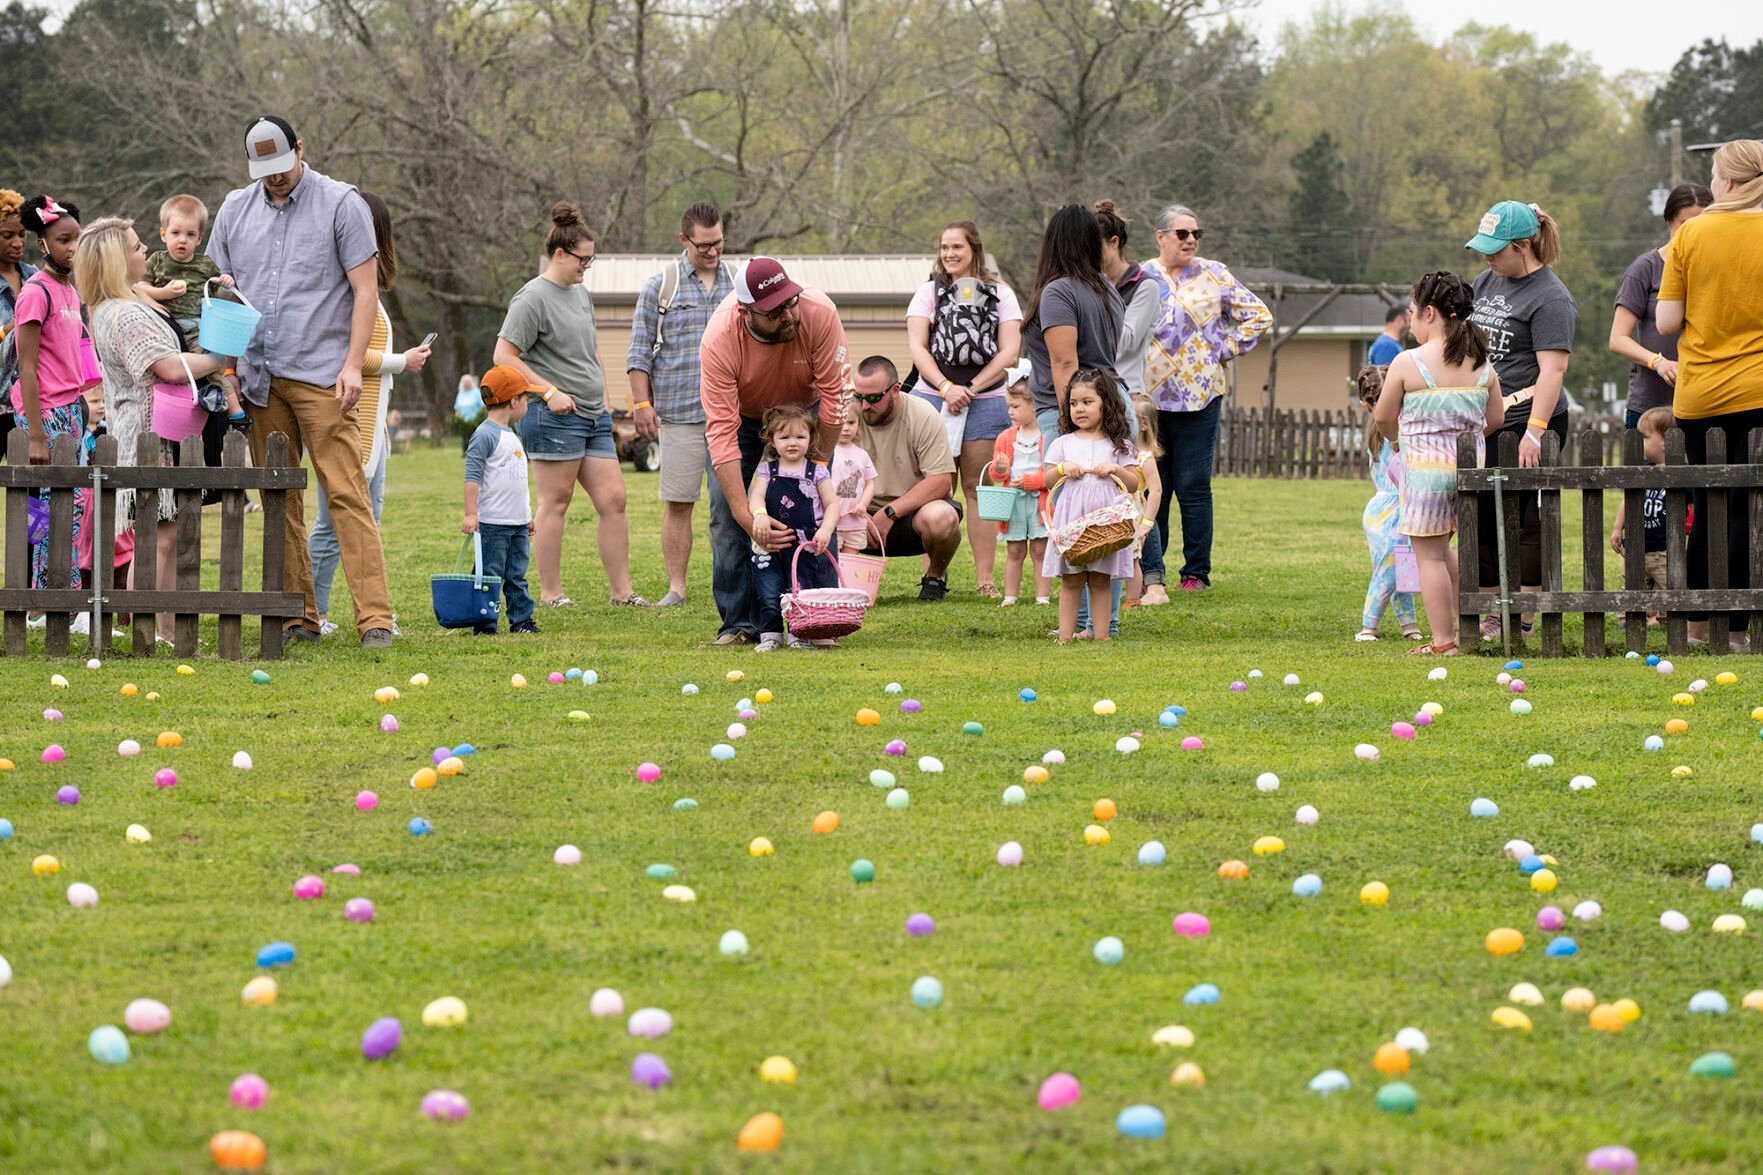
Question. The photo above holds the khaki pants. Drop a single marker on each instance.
(308, 415)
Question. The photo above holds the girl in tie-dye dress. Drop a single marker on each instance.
(1383, 532)
(1434, 411)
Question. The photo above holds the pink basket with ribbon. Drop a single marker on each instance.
(817, 614)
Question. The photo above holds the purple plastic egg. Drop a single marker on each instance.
(1237, 687)
(388, 724)
(1423, 718)
(1611, 1158)
(1551, 918)
(1191, 925)
(53, 753)
(67, 794)
(441, 753)
(249, 1091)
(165, 777)
(1516, 685)
(358, 910)
(52, 715)
(748, 714)
(896, 746)
(381, 1038)
(443, 1105)
(650, 1071)
(920, 925)
(910, 706)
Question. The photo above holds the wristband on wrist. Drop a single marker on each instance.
(640, 404)
(945, 386)
(760, 513)
(1534, 436)
(1653, 363)
(1535, 423)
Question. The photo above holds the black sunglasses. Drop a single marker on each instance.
(790, 304)
(878, 397)
(1182, 234)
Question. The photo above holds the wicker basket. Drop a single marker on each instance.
(818, 614)
(1099, 533)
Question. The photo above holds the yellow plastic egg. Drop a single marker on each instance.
(1035, 774)
(1543, 881)
(1676, 726)
(186, 671)
(1753, 1001)
(7, 765)
(1607, 1018)
(1374, 893)
(419, 679)
(762, 696)
(1681, 771)
(1727, 678)
(259, 993)
(1507, 1017)
(1527, 994)
(424, 778)
(450, 766)
(152, 695)
(679, 893)
(1683, 699)
(518, 681)
(759, 846)
(129, 689)
(1729, 924)
(777, 1071)
(1432, 708)
(826, 822)
(1628, 1010)
(45, 866)
(867, 717)
(447, 1012)
(1313, 699)
(1548, 859)
(137, 834)
(169, 738)
(1095, 834)
(1104, 707)
(735, 675)
(1234, 870)
(1578, 999)
(1104, 809)
(1268, 845)
(58, 681)
(1188, 1075)
(1174, 1036)
(385, 695)
(1504, 941)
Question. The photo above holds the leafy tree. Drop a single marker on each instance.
(1715, 90)
(1321, 227)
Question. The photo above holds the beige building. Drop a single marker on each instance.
(872, 292)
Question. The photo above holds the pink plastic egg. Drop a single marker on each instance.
(53, 753)
(748, 714)
(1516, 685)
(1237, 687)
(1402, 729)
(1191, 925)
(309, 887)
(443, 1105)
(1551, 918)
(346, 868)
(249, 1091)
(366, 801)
(146, 1017)
(555, 678)
(165, 777)
(1058, 1091)
(1192, 743)
(648, 772)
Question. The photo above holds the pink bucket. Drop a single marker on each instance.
(863, 571)
(176, 414)
(90, 373)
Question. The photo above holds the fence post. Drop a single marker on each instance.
(1469, 505)
(233, 455)
(1755, 445)
(1591, 455)
(146, 568)
(275, 519)
(186, 625)
(1676, 556)
(1716, 503)
(1550, 510)
(58, 570)
(104, 539)
(1510, 524)
(1634, 543)
(18, 548)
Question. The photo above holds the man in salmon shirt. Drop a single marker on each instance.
(771, 342)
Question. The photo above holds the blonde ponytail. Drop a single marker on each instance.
(1740, 163)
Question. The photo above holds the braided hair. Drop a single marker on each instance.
(1453, 298)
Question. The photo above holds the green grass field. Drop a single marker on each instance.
(477, 909)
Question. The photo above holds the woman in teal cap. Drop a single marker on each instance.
(1529, 318)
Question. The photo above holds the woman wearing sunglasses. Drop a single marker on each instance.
(1208, 319)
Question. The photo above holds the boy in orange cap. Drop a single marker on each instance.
(497, 504)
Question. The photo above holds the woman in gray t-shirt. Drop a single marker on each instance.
(1652, 358)
(548, 336)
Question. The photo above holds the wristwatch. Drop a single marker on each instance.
(889, 511)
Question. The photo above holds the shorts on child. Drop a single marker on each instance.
(685, 455)
(569, 437)
(1655, 570)
(1025, 521)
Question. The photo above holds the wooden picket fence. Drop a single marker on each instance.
(1721, 485)
(57, 598)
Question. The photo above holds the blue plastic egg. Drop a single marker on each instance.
(1514, 666)
(1200, 994)
(660, 872)
(1307, 886)
(1151, 853)
(1530, 863)
(108, 1045)
(1561, 948)
(1140, 1122)
(5, 830)
(420, 827)
(1652, 658)
(1108, 951)
(685, 804)
(1708, 1003)
(1330, 1081)
(572, 673)
(590, 677)
(1653, 743)
(1168, 718)
(722, 752)
(1484, 808)
(276, 954)
(927, 991)
(464, 749)
(1027, 695)
(1178, 711)
(1757, 833)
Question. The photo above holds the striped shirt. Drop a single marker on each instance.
(673, 371)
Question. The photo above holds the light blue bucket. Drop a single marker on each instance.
(226, 326)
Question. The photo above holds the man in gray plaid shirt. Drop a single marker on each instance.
(672, 312)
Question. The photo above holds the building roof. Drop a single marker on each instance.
(1348, 316)
(859, 279)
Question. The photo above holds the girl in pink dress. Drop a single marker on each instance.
(1094, 447)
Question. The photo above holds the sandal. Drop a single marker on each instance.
(1432, 649)
(1364, 635)
(988, 591)
(1413, 634)
(559, 602)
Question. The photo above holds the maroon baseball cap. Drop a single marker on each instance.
(762, 284)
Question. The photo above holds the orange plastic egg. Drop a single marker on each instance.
(1234, 870)
(761, 1133)
(1676, 726)
(170, 738)
(424, 778)
(1608, 1018)
(827, 821)
(237, 1150)
(1104, 809)
(1390, 1059)
(1504, 941)
(865, 717)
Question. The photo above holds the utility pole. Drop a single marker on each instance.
(1676, 152)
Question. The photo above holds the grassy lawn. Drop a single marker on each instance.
(477, 909)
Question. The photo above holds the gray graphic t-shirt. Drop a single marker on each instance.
(1521, 317)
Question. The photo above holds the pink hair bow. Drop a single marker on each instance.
(52, 211)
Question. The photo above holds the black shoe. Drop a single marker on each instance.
(299, 632)
(483, 632)
(526, 627)
(932, 588)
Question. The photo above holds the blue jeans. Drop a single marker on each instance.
(771, 579)
(506, 552)
(1190, 441)
(322, 546)
(1151, 558)
(1048, 419)
(731, 549)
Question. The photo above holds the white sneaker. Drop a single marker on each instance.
(81, 625)
(1007, 602)
(770, 644)
(326, 627)
(395, 631)
(41, 620)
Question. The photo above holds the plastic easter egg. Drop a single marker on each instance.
(1578, 999)
(1192, 925)
(1290, 679)
(1520, 706)
(309, 888)
(1014, 795)
(1233, 870)
(1551, 918)
(1167, 720)
(52, 715)
(146, 1017)
(1053, 758)
(449, 767)
(1508, 1017)
(1503, 679)
(237, 1150)
(352, 870)
(1374, 893)
(1540, 760)
(1140, 1121)
(1307, 814)
(1483, 808)
(972, 728)
(1719, 877)
(881, 778)
(1708, 1003)
(425, 778)
(1268, 845)
(566, 855)
(1108, 951)
(867, 717)
(1544, 881)
(1681, 772)
(259, 992)
(605, 1002)
(722, 752)
(165, 777)
(1366, 752)
(1126, 744)
(1027, 695)
(358, 910)
(733, 944)
(1237, 687)
(1517, 849)
(920, 925)
(1188, 1075)
(1588, 911)
(249, 1091)
(1267, 781)
(1664, 667)
(1330, 1081)
(1753, 1000)
(898, 799)
(1254, 674)
(439, 755)
(135, 834)
(1582, 783)
(1174, 1036)
(366, 801)
(1010, 854)
(649, 1023)
(1753, 899)
(444, 1105)
(81, 896)
(419, 826)
(381, 1038)
(1712, 1065)
(1611, 1158)
(760, 846)
(862, 871)
(169, 738)
(763, 1132)
(1152, 853)
(648, 772)
(1757, 833)
(1192, 743)
(276, 954)
(1503, 941)
(1307, 885)
(108, 1045)
(446, 1012)
(762, 696)
(896, 746)
(825, 822)
(1103, 707)
(1402, 730)
(1729, 924)
(1561, 948)
(1516, 685)
(777, 1071)
(1527, 994)
(1201, 995)
(679, 893)
(1413, 1040)
(930, 765)
(912, 706)
(1676, 726)
(45, 866)
(53, 753)
(1095, 834)
(1683, 699)
(1673, 921)
(1398, 1097)
(927, 991)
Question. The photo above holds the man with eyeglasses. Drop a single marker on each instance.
(671, 314)
(771, 342)
(913, 510)
(302, 249)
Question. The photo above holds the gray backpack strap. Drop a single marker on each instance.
(669, 291)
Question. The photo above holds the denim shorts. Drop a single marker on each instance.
(987, 418)
(569, 437)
